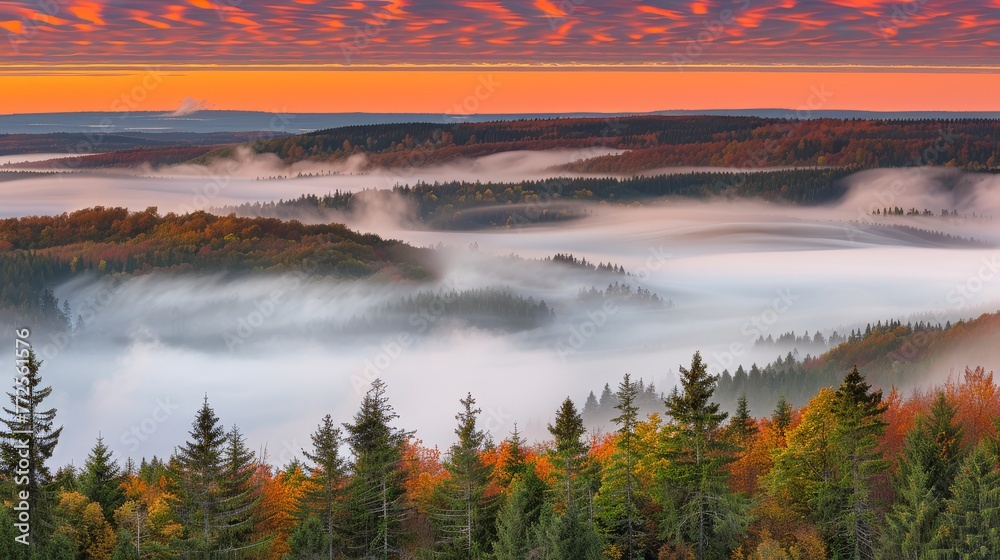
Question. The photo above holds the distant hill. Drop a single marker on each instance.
(890, 354)
(651, 142)
(293, 123)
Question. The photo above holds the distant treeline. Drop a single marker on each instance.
(652, 142)
(893, 354)
(470, 205)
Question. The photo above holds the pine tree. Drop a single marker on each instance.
(972, 516)
(212, 507)
(618, 502)
(858, 410)
(944, 458)
(101, 479)
(911, 529)
(28, 428)
(570, 451)
(701, 509)
(466, 520)
(375, 494)
(782, 416)
(514, 525)
(567, 536)
(742, 426)
(327, 474)
(241, 495)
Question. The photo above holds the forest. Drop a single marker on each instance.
(852, 473)
(473, 205)
(652, 142)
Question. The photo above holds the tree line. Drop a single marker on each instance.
(854, 473)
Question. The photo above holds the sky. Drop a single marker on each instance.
(402, 55)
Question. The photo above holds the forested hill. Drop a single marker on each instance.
(906, 356)
(659, 141)
(39, 251)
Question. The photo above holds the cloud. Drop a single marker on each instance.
(190, 105)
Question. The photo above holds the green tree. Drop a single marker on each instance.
(241, 496)
(943, 458)
(325, 498)
(911, 528)
(620, 498)
(742, 426)
(466, 519)
(972, 516)
(700, 508)
(570, 451)
(517, 518)
(375, 494)
(782, 416)
(848, 509)
(101, 479)
(29, 430)
(215, 498)
(570, 535)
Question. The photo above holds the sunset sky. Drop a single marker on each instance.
(542, 55)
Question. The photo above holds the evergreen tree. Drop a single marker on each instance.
(846, 505)
(700, 510)
(782, 416)
(567, 536)
(324, 502)
(591, 408)
(618, 502)
(972, 517)
(241, 496)
(742, 426)
(101, 479)
(465, 519)
(29, 429)
(944, 457)
(570, 451)
(375, 494)
(514, 526)
(911, 529)
(214, 500)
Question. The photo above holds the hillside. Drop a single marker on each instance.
(907, 356)
(653, 142)
(39, 252)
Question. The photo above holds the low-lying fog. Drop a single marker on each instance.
(275, 362)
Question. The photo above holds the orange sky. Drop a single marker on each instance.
(494, 90)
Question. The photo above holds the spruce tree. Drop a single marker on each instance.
(101, 479)
(375, 494)
(912, 527)
(514, 526)
(620, 496)
(29, 429)
(207, 471)
(944, 457)
(241, 495)
(847, 504)
(972, 517)
(782, 416)
(466, 519)
(570, 451)
(742, 425)
(324, 501)
(701, 511)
